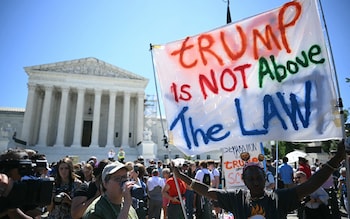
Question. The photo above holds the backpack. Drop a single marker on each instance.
(220, 179)
(206, 179)
(202, 203)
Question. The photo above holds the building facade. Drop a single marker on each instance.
(83, 108)
(84, 105)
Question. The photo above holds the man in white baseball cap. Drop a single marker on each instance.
(116, 200)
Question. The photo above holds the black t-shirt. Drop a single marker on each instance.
(238, 202)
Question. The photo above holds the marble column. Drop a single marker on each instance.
(96, 119)
(27, 128)
(140, 117)
(78, 127)
(45, 116)
(111, 119)
(62, 117)
(126, 120)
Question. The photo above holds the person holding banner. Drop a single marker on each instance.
(255, 201)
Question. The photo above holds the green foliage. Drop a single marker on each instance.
(284, 147)
(346, 115)
(347, 129)
(281, 149)
(267, 152)
(333, 145)
(187, 157)
(326, 146)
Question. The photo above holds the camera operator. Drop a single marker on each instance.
(66, 183)
(19, 187)
(41, 166)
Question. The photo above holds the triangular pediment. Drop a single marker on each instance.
(86, 66)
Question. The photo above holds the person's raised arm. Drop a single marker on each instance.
(197, 186)
(318, 178)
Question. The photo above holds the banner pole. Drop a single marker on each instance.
(165, 138)
(277, 162)
(339, 105)
(157, 92)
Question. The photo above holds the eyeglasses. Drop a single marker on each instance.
(119, 179)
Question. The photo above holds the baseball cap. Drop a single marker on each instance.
(112, 168)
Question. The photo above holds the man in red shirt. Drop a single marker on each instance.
(304, 167)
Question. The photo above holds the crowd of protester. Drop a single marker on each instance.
(122, 188)
(302, 195)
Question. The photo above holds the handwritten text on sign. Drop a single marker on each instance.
(232, 164)
(263, 78)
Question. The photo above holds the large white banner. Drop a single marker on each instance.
(264, 78)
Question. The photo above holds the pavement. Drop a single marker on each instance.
(289, 216)
(294, 216)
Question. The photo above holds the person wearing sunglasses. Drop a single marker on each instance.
(116, 202)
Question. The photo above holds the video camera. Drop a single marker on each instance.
(29, 190)
(60, 194)
(58, 198)
(25, 166)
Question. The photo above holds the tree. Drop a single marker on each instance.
(284, 147)
(326, 145)
(346, 115)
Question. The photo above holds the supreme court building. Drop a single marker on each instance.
(82, 106)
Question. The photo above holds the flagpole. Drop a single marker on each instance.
(165, 138)
(228, 14)
(339, 105)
